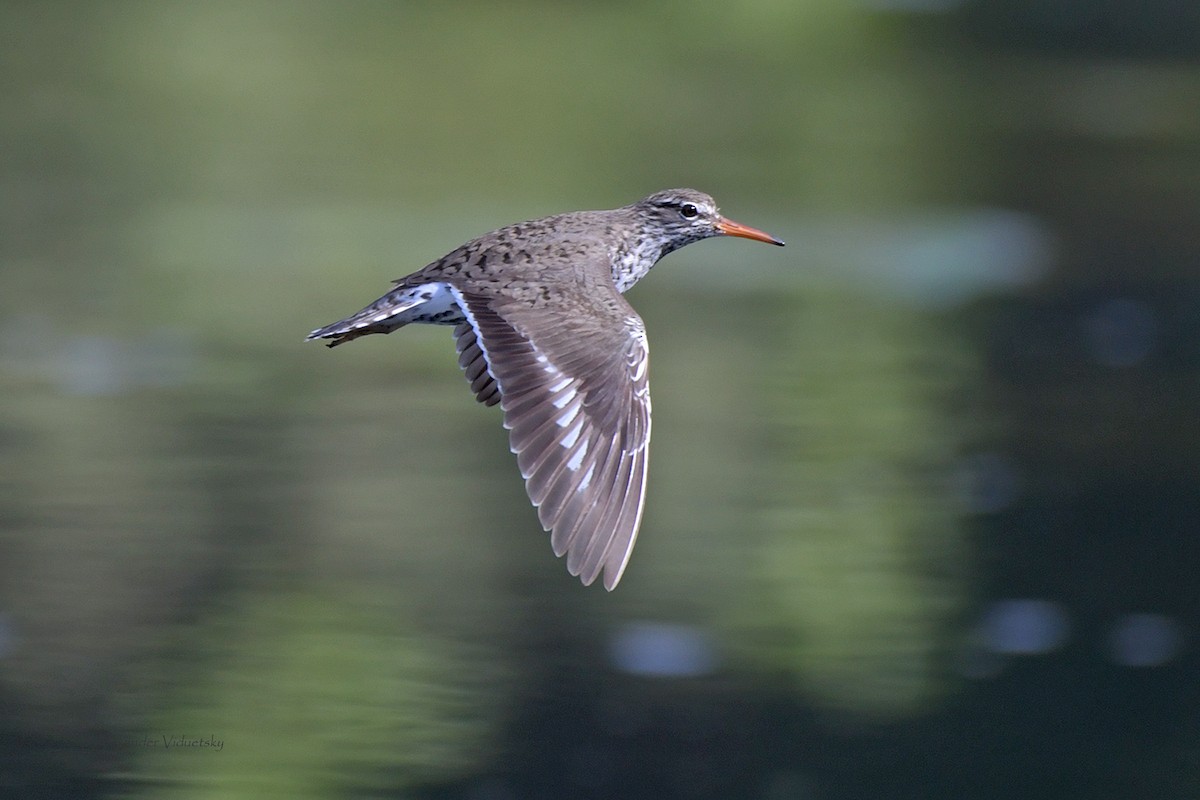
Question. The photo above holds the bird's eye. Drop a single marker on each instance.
(689, 211)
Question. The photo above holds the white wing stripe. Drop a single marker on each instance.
(567, 417)
(563, 399)
(572, 435)
(576, 460)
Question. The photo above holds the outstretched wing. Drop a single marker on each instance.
(570, 373)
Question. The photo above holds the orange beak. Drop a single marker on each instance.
(731, 228)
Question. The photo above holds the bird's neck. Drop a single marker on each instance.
(634, 258)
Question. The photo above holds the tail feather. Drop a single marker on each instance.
(382, 316)
(339, 334)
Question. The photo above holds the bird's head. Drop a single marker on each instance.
(683, 216)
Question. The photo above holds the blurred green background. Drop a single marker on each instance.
(923, 506)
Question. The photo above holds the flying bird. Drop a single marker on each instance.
(542, 328)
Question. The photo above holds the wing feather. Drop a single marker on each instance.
(570, 374)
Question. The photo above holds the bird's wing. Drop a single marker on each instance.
(474, 365)
(570, 373)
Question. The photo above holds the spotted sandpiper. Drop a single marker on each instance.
(542, 329)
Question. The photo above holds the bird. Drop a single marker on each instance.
(542, 328)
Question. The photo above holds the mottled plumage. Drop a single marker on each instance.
(542, 329)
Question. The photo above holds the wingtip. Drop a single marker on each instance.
(609, 582)
(613, 576)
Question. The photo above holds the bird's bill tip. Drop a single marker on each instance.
(731, 228)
